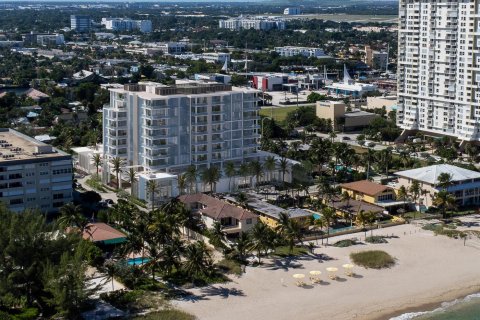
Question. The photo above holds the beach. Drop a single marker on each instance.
(429, 270)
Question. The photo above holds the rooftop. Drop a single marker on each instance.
(354, 206)
(17, 146)
(100, 231)
(273, 211)
(430, 174)
(216, 208)
(359, 114)
(365, 186)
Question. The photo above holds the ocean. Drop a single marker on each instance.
(467, 308)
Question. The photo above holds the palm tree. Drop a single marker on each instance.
(269, 166)
(210, 176)
(345, 197)
(362, 219)
(198, 260)
(405, 157)
(329, 215)
(110, 271)
(332, 136)
(259, 238)
(242, 246)
(230, 172)
(444, 180)
(152, 190)
(97, 160)
(444, 201)
(172, 256)
(319, 223)
(72, 216)
(415, 192)
(371, 218)
(403, 196)
(256, 170)
(191, 176)
(182, 183)
(368, 156)
(132, 178)
(242, 199)
(117, 168)
(293, 234)
(217, 236)
(283, 166)
(244, 171)
(283, 222)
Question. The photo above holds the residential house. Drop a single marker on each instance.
(234, 219)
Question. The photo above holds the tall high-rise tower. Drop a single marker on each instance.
(439, 67)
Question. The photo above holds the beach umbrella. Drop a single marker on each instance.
(299, 276)
(348, 269)
(331, 272)
(315, 273)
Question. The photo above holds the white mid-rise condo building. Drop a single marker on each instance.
(160, 128)
(439, 67)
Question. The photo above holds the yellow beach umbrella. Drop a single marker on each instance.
(348, 269)
(315, 273)
(331, 272)
(299, 276)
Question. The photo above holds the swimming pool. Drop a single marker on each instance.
(137, 261)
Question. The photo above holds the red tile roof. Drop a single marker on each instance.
(216, 208)
(100, 231)
(365, 187)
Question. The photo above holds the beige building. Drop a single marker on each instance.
(33, 175)
(342, 119)
(465, 183)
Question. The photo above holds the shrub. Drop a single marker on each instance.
(376, 239)
(169, 314)
(230, 266)
(345, 243)
(374, 259)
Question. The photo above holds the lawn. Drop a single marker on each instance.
(279, 113)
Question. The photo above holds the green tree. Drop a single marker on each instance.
(230, 172)
(152, 190)
(132, 179)
(444, 201)
(117, 164)
(97, 160)
(198, 261)
(328, 215)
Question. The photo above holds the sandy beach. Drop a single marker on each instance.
(429, 270)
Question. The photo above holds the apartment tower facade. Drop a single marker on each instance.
(439, 67)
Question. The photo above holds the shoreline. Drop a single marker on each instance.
(434, 303)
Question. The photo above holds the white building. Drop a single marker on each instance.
(290, 51)
(166, 187)
(349, 88)
(291, 11)
(123, 24)
(465, 183)
(438, 67)
(33, 175)
(257, 23)
(159, 128)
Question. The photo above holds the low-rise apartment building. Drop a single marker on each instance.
(33, 175)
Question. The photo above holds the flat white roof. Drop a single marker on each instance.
(430, 174)
(157, 176)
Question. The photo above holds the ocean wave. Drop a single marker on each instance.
(443, 307)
